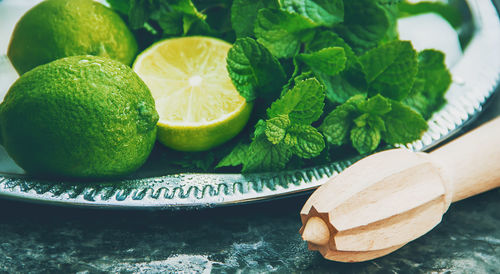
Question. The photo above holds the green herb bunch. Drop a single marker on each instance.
(322, 74)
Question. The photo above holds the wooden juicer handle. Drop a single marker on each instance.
(390, 198)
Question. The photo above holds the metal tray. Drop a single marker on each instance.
(475, 78)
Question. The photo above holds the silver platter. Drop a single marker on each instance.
(475, 78)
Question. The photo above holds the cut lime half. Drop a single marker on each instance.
(199, 106)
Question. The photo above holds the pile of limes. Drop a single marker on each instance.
(79, 111)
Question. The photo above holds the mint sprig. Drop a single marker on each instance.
(368, 121)
(287, 131)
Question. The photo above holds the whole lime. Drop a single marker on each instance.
(55, 29)
(79, 116)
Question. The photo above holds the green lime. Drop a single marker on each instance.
(55, 29)
(80, 116)
(199, 106)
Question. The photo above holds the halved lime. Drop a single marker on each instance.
(199, 106)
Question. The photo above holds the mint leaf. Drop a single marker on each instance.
(329, 61)
(218, 19)
(174, 17)
(337, 124)
(303, 104)
(121, 6)
(403, 125)
(450, 13)
(236, 157)
(194, 26)
(322, 12)
(254, 71)
(307, 141)
(305, 75)
(172, 23)
(260, 129)
(266, 152)
(296, 74)
(389, 2)
(419, 102)
(281, 31)
(339, 88)
(392, 13)
(140, 12)
(373, 120)
(376, 122)
(351, 81)
(290, 140)
(276, 128)
(360, 121)
(365, 24)
(431, 83)
(328, 39)
(265, 156)
(390, 69)
(365, 139)
(244, 14)
(186, 7)
(179, 23)
(376, 105)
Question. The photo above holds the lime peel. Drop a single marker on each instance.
(79, 117)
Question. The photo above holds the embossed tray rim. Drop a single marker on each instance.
(476, 77)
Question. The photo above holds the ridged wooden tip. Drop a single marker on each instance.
(316, 231)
